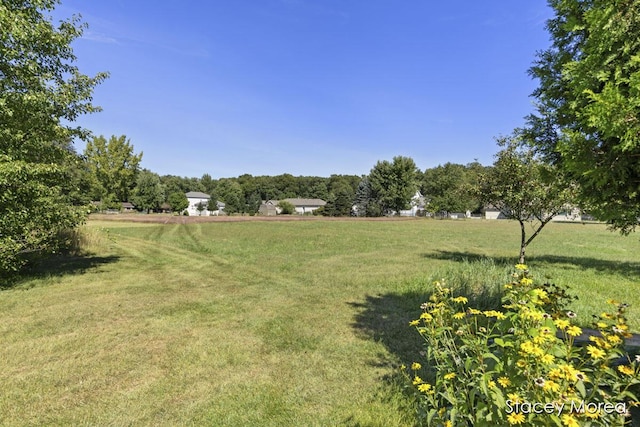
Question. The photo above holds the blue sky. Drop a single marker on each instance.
(308, 87)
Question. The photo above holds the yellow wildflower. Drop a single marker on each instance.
(414, 323)
(547, 359)
(504, 382)
(521, 267)
(462, 300)
(494, 313)
(417, 380)
(614, 339)
(515, 418)
(525, 281)
(595, 352)
(424, 388)
(574, 331)
(602, 325)
(514, 397)
(551, 386)
(426, 316)
(459, 316)
(612, 302)
(561, 323)
(570, 421)
(416, 366)
(449, 376)
(448, 423)
(474, 311)
(626, 369)
(592, 413)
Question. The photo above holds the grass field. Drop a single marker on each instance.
(263, 323)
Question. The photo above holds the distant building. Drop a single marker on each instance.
(305, 206)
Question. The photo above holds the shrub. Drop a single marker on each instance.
(286, 208)
(521, 364)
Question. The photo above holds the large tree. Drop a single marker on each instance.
(114, 165)
(393, 183)
(588, 104)
(148, 193)
(42, 93)
(525, 189)
(451, 187)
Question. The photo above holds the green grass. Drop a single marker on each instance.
(263, 323)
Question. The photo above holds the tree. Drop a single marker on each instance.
(588, 104)
(393, 183)
(178, 201)
(114, 164)
(340, 202)
(286, 208)
(201, 207)
(452, 187)
(230, 192)
(148, 193)
(42, 93)
(524, 188)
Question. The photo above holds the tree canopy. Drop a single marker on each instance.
(524, 188)
(392, 184)
(42, 93)
(588, 104)
(115, 166)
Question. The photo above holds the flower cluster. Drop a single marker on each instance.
(528, 363)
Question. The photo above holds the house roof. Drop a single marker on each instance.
(306, 202)
(128, 205)
(197, 195)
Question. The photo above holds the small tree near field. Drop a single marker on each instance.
(525, 189)
(286, 208)
(200, 207)
(178, 202)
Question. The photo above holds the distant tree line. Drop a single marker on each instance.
(108, 172)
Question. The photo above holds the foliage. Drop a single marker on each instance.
(114, 165)
(588, 111)
(522, 364)
(230, 192)
(178, 201)
(148, 193)
(525, 189)
(42, 93)
(393, 184)
(340, 202)
(452, 187)
(286, 208)
(201, 207)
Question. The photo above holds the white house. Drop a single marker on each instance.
(197, 198)
(305, 206)
(417, 204)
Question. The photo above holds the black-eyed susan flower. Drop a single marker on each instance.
(449, 376)
(570, 421)
(626, 369)
(574, 331)
(504, 382)
(515, 418)
(595, 352)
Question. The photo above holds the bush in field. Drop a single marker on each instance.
(521, 365)
(286, 208)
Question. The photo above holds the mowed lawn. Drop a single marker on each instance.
(264, 323)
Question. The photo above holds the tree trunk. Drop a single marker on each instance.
(523, 241)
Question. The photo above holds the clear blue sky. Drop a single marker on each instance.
(308, 87)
